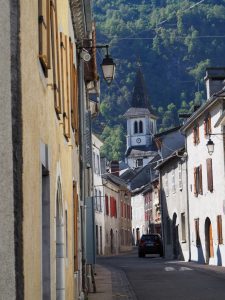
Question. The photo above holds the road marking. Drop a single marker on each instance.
(185, 269)
(169, 269)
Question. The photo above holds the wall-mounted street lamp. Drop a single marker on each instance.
(210, 145)
(108, 66)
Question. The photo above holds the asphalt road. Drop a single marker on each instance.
(155, 278)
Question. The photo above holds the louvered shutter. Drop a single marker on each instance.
(209, 174)
(209, 124)
(200, 180)
(205, 127)
(115, 208)
(219, 229)
(194, 135)
(88, 139)
(65, 85)
(55, 57)
(44, 34)
(198, 135)
(195, 182)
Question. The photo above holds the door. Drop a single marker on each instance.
(209, 252)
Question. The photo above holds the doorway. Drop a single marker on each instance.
(111, 241)
(209, 252)
(175, 237)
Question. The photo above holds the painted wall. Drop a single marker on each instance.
(7, 251)
(210, 204)
(42, 127)
(138, 217)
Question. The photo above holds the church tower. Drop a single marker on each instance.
(141, 126)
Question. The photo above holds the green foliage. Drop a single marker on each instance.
(114, 142)
(175, 44)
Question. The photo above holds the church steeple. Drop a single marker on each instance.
(140, 98)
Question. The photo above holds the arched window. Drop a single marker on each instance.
(135, 127)
(140, 127)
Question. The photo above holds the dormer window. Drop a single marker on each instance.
(207, 125)
(139, 162)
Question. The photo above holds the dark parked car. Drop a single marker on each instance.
(150, 244)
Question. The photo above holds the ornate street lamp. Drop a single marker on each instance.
(108, 67)
(210, 146)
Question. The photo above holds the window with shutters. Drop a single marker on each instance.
(100, 201)
(207, 125)
(198, 189)
(209, 174)
(55, 57)
(44, 34)
(196, 137)
(75, 213)
(183, 227)
(65, 85)
(197, 236)
(106, 205)
(219, 230)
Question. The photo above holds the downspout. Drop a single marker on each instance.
(82, 171)
(161, 210)
(187, 194)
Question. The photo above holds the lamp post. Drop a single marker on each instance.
(108, 66)
(210, 145)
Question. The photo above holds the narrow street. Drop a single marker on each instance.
(155, 278)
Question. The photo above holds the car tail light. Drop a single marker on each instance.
(142, 242)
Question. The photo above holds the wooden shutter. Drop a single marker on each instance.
(115, 208)
(198, 135)
(74, 105)
(44, 34)
(75, 203)
(205, 127)
(55, 57)
(106, 205)
(197, 233)
(209, 124)
(200, 180)
(219, 229)
(195, 182)
(209, 174)
(194, 135)
(65, 85)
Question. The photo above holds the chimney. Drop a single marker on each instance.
(115, 169)
(214, 80)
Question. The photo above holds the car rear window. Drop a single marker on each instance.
(150, 238)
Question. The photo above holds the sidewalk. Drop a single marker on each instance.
(103, 281)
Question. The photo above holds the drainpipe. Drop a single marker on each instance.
(187, 193)
(82, 171)
(161, 210)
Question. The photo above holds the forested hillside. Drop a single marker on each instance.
(175, 40)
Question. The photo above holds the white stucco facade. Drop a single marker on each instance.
(208, 205)
(138, 217)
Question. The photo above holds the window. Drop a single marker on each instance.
(106, 205)
(180, 176)
(196, 138)
(198, 181)
(65, 85)
(209, 174)
(207, 125)
(98, 164)
(100, 201)
(140, 127)
(197, 236)
(96, 199)
(173, 181)
(55, 57)
(183, 227)
(166, 185)
(219, 229)
(139, 162)
(135, 127)
(44, 34)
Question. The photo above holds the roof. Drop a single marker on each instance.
(213, 100)
(115, 179)
(136, 151)
(167, 131)
(179, 153)
(138, 112)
